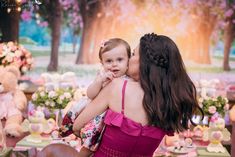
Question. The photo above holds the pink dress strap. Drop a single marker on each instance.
(123, 95)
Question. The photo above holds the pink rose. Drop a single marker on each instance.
(212, 109)
(226, 107)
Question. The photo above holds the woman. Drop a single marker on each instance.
(141, 113)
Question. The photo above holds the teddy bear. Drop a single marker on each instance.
(12, 101)
(2, 138)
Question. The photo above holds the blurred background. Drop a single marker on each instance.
(62, 33)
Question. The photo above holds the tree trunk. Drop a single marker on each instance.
(205, 58)
(55, 23)
(229, 33)
(9, 22)
(89, 14)
(84, 50)
(95, 40)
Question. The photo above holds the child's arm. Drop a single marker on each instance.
(94, 88)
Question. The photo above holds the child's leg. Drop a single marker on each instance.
(84, 152)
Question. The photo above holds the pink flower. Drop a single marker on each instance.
(212, 109)
(14, 54)
(228, 13)
(23, 1)
(18, 53)
(214, 119)
(226, 107)
(43, 24)
(223, 5)
(1, 48)
(31, 113)
(10, 44)
(102, 44)
(26, 15)
(9, 58)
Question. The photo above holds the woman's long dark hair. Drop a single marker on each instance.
(169, 94)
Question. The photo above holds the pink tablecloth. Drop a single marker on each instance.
(162, 150)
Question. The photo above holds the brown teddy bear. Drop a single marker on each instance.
(12, 100)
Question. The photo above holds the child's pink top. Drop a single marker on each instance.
(124, 137)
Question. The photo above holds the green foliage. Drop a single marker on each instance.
(38, 53)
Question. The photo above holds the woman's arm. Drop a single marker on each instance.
(94, 108)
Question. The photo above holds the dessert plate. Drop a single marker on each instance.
(183, 150)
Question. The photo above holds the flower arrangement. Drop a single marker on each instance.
(14, 54)
(212, 105)
(53, 99)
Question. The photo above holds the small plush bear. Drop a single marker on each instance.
(12, 100)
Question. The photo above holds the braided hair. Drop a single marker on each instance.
(169, 94)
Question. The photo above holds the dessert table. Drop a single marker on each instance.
(24, 148)
(198, 150)
(162, 150)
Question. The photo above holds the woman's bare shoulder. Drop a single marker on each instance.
(117, 83)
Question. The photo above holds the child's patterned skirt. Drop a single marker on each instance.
(91, 133)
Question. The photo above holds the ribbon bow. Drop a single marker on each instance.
(102, 44)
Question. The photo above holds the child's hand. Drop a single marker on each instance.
(105, 77)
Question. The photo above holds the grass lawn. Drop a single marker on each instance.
(221, 58)
(208, 69)
(39, 53)
(80, 70)
(91, 69)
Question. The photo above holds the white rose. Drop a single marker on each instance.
(18, 53)
(214, 99)
(226, 107)
(212, 109)
(52, 104)
(29, 61)
(61, 97)
(24, 68)
(42, 93)
(47, 103)
(40, 89)
(200, 100)
(9, 58)
(226, 100)
(34, 96)
(52, 94)
(67, 95)
(200, 105)
(59, 101)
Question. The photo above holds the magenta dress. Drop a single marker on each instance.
(124, 137)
